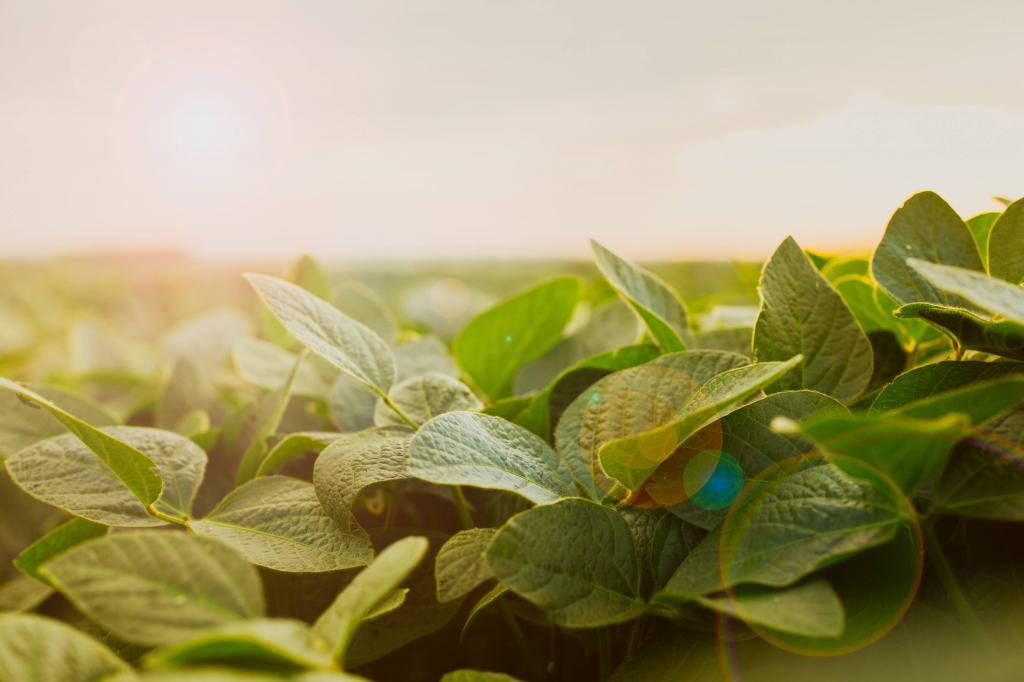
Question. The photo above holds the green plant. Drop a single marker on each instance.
(588, 486)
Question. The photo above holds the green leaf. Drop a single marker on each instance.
(984, 478)
(499, 341)
(347, 344)
(652, 299)
(36, 649)
(1005, 246)
(460, 566)
(939, 377)
(979, 401)
(277, 522)
(268, 366)
(260, 423)
(188, 392)
(981, 229)
(351, 404)
(306, 272)
(468, 448)
(731, 339)
(874, 309)
(546, 407)
(364, 305)
(672, 654)
(492, 595)
(810, 608)
(424, 397)
(63, 472)
(135, 470)
(269, 643)
(988, 293)
(155, 588)
(375, 583)
(609, 327)
(910, 451)
(22, 424)
(970, 330)
(423, 355)
(926, 228)
(356, 461)
(574, 559)
(841, 268)
(57, 541)
(629, 402)
(22, 593)
(787, 527)
(633, 459)
(476, 676)
(743, 437)
(293, 445)
(802, 314)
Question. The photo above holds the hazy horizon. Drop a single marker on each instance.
(463, 130)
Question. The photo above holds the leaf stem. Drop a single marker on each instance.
(945, 572)
(397, 410)
(156, 513)
(462, 507)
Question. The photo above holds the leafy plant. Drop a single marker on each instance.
(594, 481)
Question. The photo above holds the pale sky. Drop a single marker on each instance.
(429, 128)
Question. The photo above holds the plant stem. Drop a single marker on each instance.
(536, 671)
(397, 410)
(949, 581)
(462, 507)
(156, 513)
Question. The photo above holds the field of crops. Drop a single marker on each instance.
(807, 470)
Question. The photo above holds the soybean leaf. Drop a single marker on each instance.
(492, 595)
(661, 541)
(841, 268)
(364, 305)
(22, 593)
(460, 566)
(293, 445)
(701, 479)
(358, 460)
(476, 676)
(351, 404)
(188, 392)
(926, 228)
(546, 407)
(787, 527)
(375, 583)
(939, 377)
(732, 339)
(277, 522)
(970, 330)
(134, 469)
(652, 299)
(424, 397)
(979, 401)
(425, 354)
(260, 422)
(273, 643)
(155, 588)
(267, 365)
(610, 326)
(981, 229)
(1005, 246)
(37, 649)
(984, 478)
(910, 451)
(802, 314)
(468, 448)
(671, 654)
(63, 472)
(633, 459)
(630, 402)
(874, 309)
(574, 559)
(513, 332)
(22, 424)
(988, 293)
(810, 608)
(347, 344)
(57, 541)
(308, 274)
(206, 338)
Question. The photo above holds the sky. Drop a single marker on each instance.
(492, 129)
